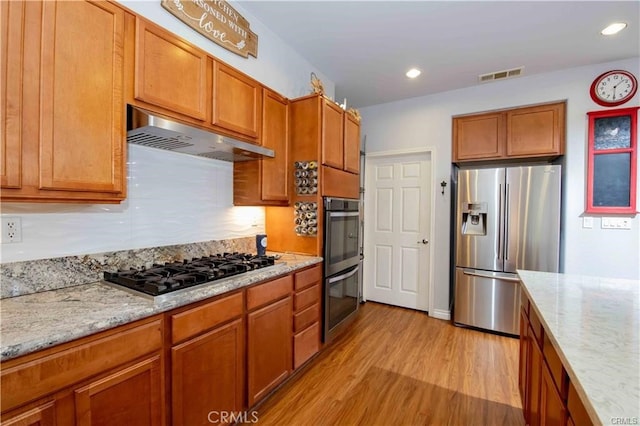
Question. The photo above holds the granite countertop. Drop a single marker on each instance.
(41, 320)
(594, 324)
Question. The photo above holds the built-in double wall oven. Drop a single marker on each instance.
(341, 262)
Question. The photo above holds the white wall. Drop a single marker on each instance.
(172, 198)
(426, 121)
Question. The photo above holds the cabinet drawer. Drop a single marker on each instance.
(558, 373)
(308, 277)
(536, 326)
(268, 292)
(26, 381)
(194, 321)
(306, 298)
(305, 345)
(576, 408)
(305, 318)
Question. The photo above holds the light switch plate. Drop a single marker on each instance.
(587, 222)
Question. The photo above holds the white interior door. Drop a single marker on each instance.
(397, 230)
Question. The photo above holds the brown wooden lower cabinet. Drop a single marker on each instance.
(42, 415)
(269, 348)
(131, 396)
(307, 318)
(553, 411)
(548, 396)
(216, 356)
(207, 375)
(524, 359)
(306, 344)
(535, 379)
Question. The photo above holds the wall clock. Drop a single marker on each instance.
(613, 88)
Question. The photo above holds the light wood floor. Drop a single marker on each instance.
(396, 366)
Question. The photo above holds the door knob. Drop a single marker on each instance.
(423, 242)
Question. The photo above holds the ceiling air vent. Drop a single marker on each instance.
(500, 75)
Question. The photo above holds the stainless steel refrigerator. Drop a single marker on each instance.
(507, 218)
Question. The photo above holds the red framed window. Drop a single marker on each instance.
(613, 161)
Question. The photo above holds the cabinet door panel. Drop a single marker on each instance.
(535, 131)
(81, 99)
(535, 380)
(275, 135)
(208, 375)
(552, 409)
(132, 396)
(169, 73)
(332, 135)
(269, 348)
(351, 144)
(523, 361)
(237, 101)
(478, 137)
(11, 63)
(43, 415)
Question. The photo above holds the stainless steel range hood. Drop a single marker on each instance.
(152, 130)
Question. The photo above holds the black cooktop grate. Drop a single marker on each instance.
(163, 279)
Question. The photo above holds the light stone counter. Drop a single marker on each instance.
(594, 324)
(37, 321)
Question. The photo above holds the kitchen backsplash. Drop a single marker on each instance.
(172, 199)
(33, 276)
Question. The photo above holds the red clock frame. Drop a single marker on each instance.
(596, 99)
(632, 150)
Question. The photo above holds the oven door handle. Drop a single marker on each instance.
(343, 214)
(343, 276)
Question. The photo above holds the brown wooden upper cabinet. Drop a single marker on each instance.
(169, 73)
(535, 131)
(237, 102)
(351, 144)
(266, 181)
(332, 135)
(64, 122)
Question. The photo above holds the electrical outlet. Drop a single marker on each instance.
(616, 223)
(11, 229)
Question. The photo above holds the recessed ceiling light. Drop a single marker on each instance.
(413, 73)
(614, 28)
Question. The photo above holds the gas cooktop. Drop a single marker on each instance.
(163, 279)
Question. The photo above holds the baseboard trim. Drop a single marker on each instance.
(440, 314)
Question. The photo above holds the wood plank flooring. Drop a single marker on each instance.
(396, 366)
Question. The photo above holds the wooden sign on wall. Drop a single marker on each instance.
(218, 22)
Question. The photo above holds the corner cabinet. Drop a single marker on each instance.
(529, 132)
(267, 181)
(63, 119)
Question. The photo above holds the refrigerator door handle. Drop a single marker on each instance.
(490, 275)
(499, 221)
(506, 224)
